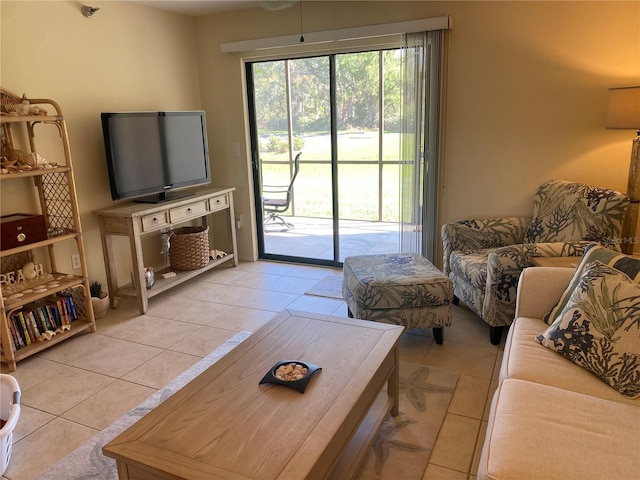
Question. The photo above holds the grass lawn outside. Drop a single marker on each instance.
(358, 182)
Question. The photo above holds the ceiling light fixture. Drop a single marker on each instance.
(301, 36)
(277, 4)
(88, 11)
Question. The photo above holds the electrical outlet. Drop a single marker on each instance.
(75, 261)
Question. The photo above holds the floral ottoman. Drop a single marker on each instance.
(401, 288)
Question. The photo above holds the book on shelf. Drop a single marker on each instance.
(31, 310)
(65, 306)
(44, 319)
(29, 324)
(47, 316)
(38, 326)
(60, 304)
(54, 314)
(18, 332)
(34, 332)
(71, 306)
(17, 341)
(23, 326)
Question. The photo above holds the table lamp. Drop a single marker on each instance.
(623, 112)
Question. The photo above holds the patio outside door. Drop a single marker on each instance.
(338, 110)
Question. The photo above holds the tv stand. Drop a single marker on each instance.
(163, 197)
(134, 220)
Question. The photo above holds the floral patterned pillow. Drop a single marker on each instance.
(599, 328)
(624, 263)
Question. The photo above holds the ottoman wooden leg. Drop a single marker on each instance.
(438, 334)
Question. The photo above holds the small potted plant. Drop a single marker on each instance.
(99, 299)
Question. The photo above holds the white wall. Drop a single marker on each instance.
(526, 92)
(525, 100)
(125, 57)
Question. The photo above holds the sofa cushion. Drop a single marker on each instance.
(526, 359)
(541, 432)
(624, 263)
(599, 328)
(539, 289)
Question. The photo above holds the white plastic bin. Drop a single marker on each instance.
(9, 412)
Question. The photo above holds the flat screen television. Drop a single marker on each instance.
(152, 154)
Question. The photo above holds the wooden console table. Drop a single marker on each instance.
(134, 220)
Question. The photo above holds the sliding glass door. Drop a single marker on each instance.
(341, 114)
(367, 106)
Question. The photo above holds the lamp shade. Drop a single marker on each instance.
(623, 108)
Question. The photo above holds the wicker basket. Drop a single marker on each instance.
(189, 248)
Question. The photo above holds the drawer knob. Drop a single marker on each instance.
(21, 237)
(189, 210)
(219, 202)
(155, 220)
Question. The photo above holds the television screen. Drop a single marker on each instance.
(151, 154)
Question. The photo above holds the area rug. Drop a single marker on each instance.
(401, 450)
(330, 287)
(404, 444)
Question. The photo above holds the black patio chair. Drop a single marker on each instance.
(277, 199)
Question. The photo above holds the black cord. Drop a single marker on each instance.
(301, 36)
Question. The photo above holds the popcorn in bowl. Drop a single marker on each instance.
(291, 371)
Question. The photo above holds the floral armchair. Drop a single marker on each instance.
(484, 257)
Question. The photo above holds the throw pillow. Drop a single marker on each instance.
(624, 263)
(599, 328)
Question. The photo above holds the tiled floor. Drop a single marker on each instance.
(77, 388)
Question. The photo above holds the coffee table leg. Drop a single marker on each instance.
(393, 385)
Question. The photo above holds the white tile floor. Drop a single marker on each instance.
(77, 388)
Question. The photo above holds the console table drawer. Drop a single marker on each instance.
(218, 203)
(155, 221)
(185, 212)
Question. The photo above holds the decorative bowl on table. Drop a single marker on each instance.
(291, 373)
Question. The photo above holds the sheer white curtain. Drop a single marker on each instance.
(422, 67)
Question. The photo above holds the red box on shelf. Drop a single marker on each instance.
(20, 229)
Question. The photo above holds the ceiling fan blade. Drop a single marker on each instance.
(277, 4)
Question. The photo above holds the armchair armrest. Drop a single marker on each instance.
(516, 257)
(540, 288)
(559, 249)
(478, 234)
(504, 266)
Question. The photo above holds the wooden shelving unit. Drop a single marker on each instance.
(55, 187)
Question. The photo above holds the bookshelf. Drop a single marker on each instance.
(42, 304)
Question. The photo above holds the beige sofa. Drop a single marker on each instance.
(550, 418)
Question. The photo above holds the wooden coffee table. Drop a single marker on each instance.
(224, 425)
